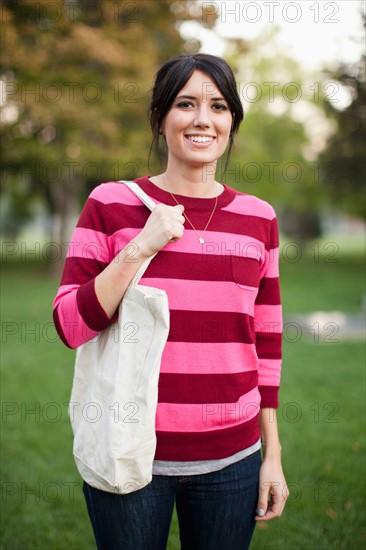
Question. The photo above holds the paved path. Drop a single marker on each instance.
(326, 326)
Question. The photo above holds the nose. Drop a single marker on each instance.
(202, 118)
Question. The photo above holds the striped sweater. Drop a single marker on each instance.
(222, 360)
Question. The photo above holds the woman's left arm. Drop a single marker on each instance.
(273, 490)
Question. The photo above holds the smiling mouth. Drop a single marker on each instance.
(200, 139)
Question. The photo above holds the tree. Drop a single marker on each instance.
(343, 161)
(76, 77)
(275, 156)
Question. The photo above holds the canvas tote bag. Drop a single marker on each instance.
(114, 394)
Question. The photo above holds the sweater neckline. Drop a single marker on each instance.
(193, 203)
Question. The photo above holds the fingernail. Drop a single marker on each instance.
(260, 512)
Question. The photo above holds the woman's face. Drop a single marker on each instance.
(197, 126)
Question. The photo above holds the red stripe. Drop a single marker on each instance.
(160, 195)
(274, 234)
(211, 326)
(107, 219)
(81, 270)
(181, 266)
(90, 309)
(205, 388)
(269, 345)
(200, 267)
(269, 396)
(269, 291)
(58, 327)
(228, 222)
(212, 445)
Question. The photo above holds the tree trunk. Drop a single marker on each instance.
(66, 212)
(303, 225)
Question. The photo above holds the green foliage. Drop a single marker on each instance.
(344, 159)
(288, 116)
(77, 80)
(271, 158)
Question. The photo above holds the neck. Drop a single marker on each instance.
(190, 181)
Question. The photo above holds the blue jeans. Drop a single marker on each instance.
(215, 511)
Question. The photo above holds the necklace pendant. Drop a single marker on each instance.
(201, 240)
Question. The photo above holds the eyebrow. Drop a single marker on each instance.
(193, 97)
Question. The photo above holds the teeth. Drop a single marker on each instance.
(200, 139)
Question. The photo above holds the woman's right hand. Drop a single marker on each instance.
(165, 224)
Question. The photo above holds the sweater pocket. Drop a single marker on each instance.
(246, 272)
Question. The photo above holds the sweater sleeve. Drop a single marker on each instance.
(78, 315)
(268, 322)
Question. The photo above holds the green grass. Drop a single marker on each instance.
(320, 417)
(321, 276)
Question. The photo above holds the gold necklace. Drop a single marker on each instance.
(200, 237)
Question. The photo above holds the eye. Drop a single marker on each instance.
(185, 104)
(219, 106)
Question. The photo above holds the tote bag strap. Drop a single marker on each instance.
(150, 203)
(136, 189)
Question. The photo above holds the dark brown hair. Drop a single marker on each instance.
(171, 78)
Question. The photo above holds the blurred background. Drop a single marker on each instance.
(75, 83)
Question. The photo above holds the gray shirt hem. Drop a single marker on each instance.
(170, 468)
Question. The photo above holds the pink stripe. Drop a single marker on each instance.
(269, 372)
(119, 239)
(171, 417)
(250, 206)
(272, 267)
(210, 358)
(268, 318)
(89, 244)
(216, 244)
(97, 193)
(228, 244)
(112, 192)
(75, 330)
(62, 291)
(208, 295)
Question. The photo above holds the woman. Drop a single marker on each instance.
(219, 376)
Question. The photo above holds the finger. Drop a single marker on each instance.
(177, 233)
(267, 513)
(262, 501)
(179, 207)
(277, 505)
(274, 510)
(179, 219)
(268, 516)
